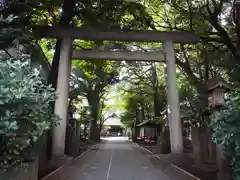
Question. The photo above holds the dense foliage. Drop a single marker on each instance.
(225, 125)
(143, 87)
(25, 113)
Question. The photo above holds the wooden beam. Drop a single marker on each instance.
(115, 35)
(118, 56)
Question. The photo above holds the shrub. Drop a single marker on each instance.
(25, 112)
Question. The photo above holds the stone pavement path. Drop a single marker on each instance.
(117, 160)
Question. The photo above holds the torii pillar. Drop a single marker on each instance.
(61, 104)
(175, 126)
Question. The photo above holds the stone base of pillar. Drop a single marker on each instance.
(182, 160)
(223, 170)
(163, 142)
(58, 161)
(48, 171)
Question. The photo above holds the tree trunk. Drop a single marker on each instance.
(94, 133)
(157, 107)
(101, 126)
(198, 84)
(157, 112)
(52, 78)
(65, 20)
(85, 131)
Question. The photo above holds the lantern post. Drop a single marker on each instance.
(217, 88)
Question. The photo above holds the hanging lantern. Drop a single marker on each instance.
(216, 91)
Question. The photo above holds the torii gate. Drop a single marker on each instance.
(66, 55)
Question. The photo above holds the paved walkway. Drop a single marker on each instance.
(117, 160)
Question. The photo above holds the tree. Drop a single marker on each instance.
(132, 103)
(104, 113)
(107, 14)
(198, 62)
(94, 14)
(24, 109)
(91, 80)
(85, 119)
(147, 79)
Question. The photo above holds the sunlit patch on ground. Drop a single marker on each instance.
(118, 138)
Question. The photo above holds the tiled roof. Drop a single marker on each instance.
(215, 82)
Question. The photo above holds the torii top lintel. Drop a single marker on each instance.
(116, 35)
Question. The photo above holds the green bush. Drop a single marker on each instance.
(25, 112)
(226, 127)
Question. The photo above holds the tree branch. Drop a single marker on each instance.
(190, 14)
(52, 14)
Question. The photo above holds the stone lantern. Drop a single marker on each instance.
(217, 88)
